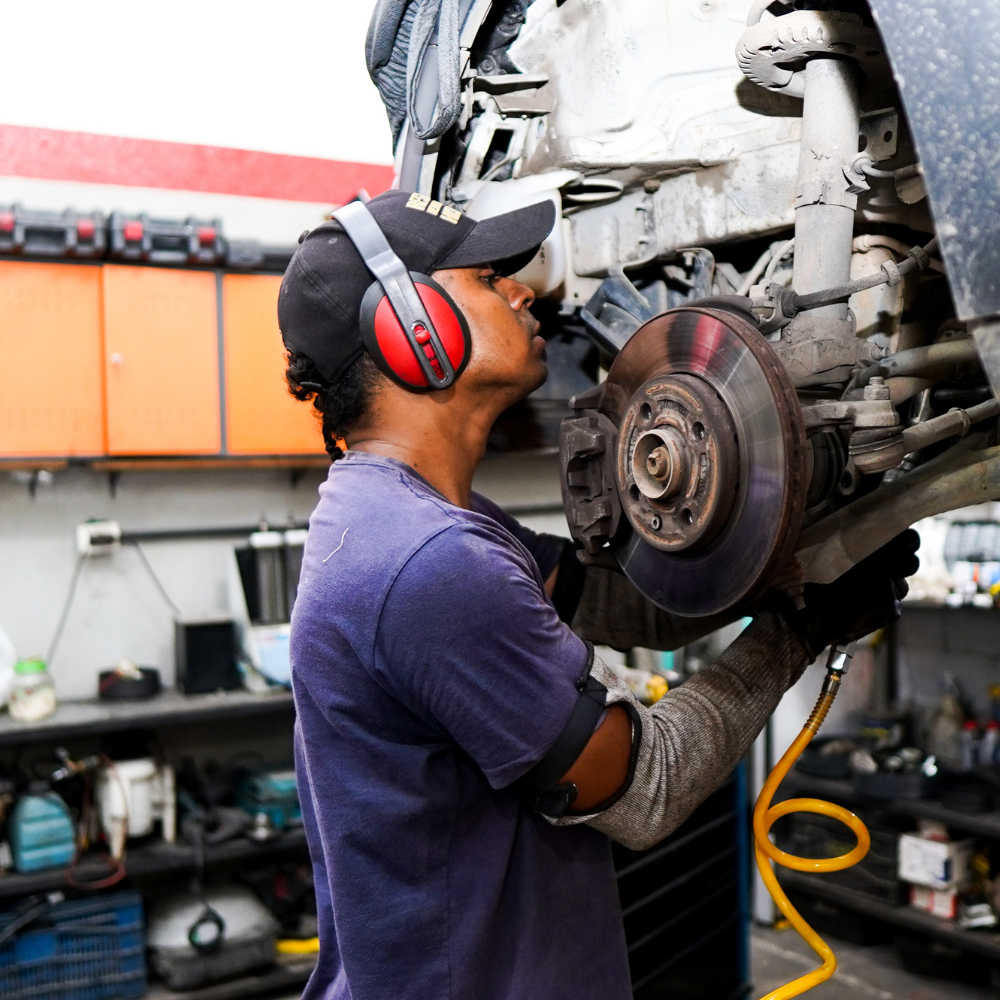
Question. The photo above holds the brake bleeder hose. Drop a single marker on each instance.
(764, 815)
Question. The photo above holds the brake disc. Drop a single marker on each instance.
(709, 462)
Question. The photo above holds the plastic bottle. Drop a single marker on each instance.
(32, 695)
(944, 736)
(988, 744)
(7, 660)
(970, 745)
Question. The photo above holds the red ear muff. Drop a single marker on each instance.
(389, 347)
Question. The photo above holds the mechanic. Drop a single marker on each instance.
(464, 759)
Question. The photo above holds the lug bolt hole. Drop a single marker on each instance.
(686, 516)
(698, 430)
(656, 522)
(634, 494)
(645, 413)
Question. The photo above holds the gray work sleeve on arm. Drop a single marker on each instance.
(611, 612)
(691, 739)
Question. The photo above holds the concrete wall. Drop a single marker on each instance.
(117, 610)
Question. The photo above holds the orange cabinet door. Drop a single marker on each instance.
(50, 321)
(261, 417)
(161, 355)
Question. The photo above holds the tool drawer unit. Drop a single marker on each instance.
(685, 904)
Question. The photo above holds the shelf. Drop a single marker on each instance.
(77, 718)
(152, 859)
(33, 465)
(286, 975)
(799, 782)
(983, 824)
(209, 464)
(937, 606)
(980, 942)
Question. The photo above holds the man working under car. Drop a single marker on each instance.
(463, 757)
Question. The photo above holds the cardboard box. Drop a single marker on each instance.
(934, 864)
(939, 902)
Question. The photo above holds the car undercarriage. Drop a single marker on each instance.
(778, 228)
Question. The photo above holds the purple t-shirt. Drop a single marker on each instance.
(431, 672)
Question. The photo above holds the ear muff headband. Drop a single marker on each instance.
(412, 329)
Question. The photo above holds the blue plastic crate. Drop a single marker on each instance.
(91, 949)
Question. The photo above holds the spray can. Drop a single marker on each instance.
(988, 744)
(969, 742)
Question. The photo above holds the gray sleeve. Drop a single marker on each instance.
(611, 612)
(691, 739)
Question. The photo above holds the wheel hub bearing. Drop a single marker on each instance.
(677, 463)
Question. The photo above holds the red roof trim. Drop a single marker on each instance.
(51, 154)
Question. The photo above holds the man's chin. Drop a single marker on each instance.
(543, 374)
(531, 378)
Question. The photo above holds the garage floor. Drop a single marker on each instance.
(863, 973)
(872, 973)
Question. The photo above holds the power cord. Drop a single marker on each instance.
(152, 575)
(71, 594)
(67, 604)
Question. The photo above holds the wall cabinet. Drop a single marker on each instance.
(161, 358)
(51, 378)
(261, 417)
(118, 360)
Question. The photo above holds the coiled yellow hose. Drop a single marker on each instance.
(764, 815)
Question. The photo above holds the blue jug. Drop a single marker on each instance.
(41, 833)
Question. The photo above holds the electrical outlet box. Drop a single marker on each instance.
(98, 538)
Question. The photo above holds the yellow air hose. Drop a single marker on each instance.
(764, 815)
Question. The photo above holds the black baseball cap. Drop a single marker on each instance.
(320, 299)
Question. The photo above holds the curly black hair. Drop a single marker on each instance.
(341, 403)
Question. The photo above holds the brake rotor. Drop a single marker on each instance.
(710, 460)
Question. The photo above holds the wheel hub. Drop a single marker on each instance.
(678, 464)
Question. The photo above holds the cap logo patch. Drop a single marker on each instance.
(421, 203)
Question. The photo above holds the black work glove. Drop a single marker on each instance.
(864, 599)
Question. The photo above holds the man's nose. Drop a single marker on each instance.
(519, 296)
